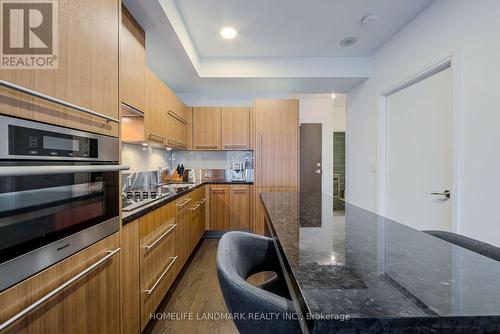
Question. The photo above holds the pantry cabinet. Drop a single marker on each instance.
(276, 140)
(89, 305)
(132, 62)
(207, 128)
(86, 73)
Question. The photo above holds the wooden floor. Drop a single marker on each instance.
(197, 293)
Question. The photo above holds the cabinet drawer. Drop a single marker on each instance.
(77, 295)
(157, 263)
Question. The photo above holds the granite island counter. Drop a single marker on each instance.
(357, 272)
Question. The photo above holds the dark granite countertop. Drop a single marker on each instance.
(127, 217)
(389, 278)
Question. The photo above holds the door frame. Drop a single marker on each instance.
(454, 62)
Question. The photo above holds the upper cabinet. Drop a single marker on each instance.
(86, 73)
(235, 128)
(177, 122)
(207, 128)
(156, 106)
(132, 62)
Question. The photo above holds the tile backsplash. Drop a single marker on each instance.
(211, 159)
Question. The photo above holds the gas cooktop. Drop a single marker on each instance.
(139, 197)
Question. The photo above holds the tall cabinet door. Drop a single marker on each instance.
(132, 62)
(207, 128)
(276, 155)
(277, 142)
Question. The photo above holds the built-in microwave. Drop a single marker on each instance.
(59, 193)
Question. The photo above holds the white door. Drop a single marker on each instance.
(419, 153)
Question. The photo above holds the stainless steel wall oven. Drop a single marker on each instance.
(59, 193)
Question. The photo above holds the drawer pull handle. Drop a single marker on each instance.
(202, 201)
(150, 291)
(55, 100)
(195, 207)
(152, 134)
(206, 147)
(58, 290)
(154, 243)
(176, 116)
(186, 201)
(176, 143)
(235, 146)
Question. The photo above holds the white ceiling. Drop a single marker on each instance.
(294, 28)
(281, 48)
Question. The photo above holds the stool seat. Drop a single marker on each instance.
(240, 255)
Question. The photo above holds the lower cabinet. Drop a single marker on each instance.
(158, 257)
(219, 207)
(230, 207)
(91, 304)
(156, 246)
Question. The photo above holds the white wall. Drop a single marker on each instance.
(443, 28)
(143, 160)
(321, 108)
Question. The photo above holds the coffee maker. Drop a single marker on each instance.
(238, 171)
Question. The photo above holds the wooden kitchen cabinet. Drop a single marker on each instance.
(130, 279)
(219, 198)
(89, 305)
(177, 122)
(240, 200)
(158, 258)
(235, 128)
(132, 62)
(156, 106)
(207, 128)
(87, 73)
(198, 213)
(276, 138)
(184, 227)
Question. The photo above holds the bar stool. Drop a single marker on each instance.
(240, 255)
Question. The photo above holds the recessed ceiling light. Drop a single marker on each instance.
(348, 41)
(333, 95)
(228, 33)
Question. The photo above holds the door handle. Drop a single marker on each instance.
(317, 171)
(446, 194)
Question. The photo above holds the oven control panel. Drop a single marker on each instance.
(34, 142)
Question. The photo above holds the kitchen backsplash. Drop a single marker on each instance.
(211, 159)
(141, 159)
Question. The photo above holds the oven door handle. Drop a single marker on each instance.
(50, 170)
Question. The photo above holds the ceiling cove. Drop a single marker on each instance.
(263, 67)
